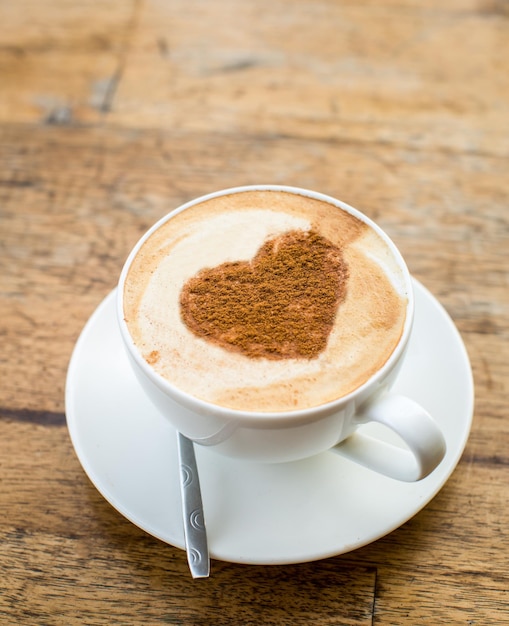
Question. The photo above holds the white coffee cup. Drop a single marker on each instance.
(281, 436)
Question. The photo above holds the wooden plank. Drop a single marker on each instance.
(126, 577)
(68, 557)
(74, 201)
(403, 72)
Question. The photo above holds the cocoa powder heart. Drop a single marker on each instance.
(279, 305)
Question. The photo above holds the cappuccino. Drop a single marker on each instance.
(265, 301)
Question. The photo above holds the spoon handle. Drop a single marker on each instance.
(194, 521)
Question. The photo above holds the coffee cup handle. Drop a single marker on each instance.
(425, 442)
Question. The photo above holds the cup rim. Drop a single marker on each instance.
(204, 407)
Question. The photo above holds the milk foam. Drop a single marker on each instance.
(367, 326)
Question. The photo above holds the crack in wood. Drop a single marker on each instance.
(33, 416)
(112, 86)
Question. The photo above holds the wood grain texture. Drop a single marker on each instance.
(112, 114)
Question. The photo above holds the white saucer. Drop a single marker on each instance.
(261, 514)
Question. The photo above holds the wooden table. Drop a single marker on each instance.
(112, 113)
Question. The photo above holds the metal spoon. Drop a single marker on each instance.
(194, 521)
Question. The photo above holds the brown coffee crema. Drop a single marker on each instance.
(279, 305)
(265, 301)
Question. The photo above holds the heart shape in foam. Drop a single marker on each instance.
(279, 305)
